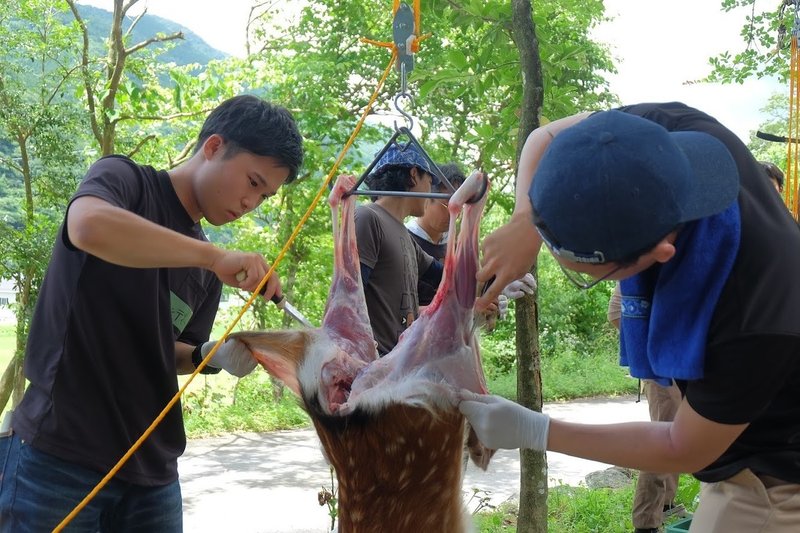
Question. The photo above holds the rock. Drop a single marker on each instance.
(610, 478)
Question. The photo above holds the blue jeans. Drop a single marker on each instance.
(37, 491)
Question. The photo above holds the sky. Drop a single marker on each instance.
(658, 46)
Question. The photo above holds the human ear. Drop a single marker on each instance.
(414, 173)
(212, 145)
(663, 251)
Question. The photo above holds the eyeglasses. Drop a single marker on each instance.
(580, 279)
(585, 281)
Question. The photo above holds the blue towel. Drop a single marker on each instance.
(667, 309)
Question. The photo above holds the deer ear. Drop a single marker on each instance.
(280, 352)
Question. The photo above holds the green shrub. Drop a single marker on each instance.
(585, 510)
(250, 406)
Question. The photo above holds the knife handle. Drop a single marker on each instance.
(276, 298)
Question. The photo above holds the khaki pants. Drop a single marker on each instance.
(747, 503)
(654, 491)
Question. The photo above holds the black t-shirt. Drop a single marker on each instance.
(101, 351)
(425, 289)
(752, 362)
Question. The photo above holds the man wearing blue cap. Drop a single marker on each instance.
(391, 262)
(667, 200)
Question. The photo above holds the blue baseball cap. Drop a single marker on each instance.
(406, 155)
(614, 184)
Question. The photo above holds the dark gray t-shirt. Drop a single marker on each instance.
(101, 352)
(397, 262)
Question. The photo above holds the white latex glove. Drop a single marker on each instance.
(500, 423)
(502, 306)
(519, 288)
(233, 357)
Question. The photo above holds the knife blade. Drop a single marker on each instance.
(281, 303)
(290, 310)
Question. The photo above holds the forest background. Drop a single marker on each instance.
(77, 83)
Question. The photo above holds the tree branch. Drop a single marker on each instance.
(182, 156)
(151, 40)
(140, 144)
(9, 163)
(135, 21)
(84, 66)
(160, 117)
(129, 5)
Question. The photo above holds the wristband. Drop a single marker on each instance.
(197, 358)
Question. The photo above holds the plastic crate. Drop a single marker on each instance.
(680, 526)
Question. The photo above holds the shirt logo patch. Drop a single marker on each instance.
(181, 312)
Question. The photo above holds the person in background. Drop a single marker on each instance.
(128, 302)
(391, 262)
(429, 231)
(667, 200)
(774, 174)
(654, 499)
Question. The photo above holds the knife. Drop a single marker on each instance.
(290, 310)
(281, 303)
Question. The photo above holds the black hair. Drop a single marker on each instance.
(454, 174)
(249, 124)
(773, 172)
(391, 178)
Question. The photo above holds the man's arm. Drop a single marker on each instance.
(183, 358)
(687, 444)
(124, 238)
(510, 251)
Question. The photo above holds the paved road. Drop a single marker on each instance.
(268, 483)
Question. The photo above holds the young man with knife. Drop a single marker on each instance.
(127, 303)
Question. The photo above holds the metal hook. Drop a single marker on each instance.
(398, 107)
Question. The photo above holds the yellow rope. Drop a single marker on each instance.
(322, 191)
(790, 193)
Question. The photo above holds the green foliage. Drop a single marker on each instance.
(250, 406)
(579, 348)
(590, 510)
(586, 510)
(766, 37)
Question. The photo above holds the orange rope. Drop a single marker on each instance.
(322, 191)
(790, 193)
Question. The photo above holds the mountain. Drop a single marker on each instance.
(192, 49)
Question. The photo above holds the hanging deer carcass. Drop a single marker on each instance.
(390, 426)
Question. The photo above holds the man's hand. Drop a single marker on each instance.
(500, 423)
(245, 271)
(232, 356)
(508, 254)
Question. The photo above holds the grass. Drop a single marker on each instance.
(8, 341)
(217, 404)
(584, 509)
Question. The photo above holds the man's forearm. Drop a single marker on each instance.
(124, 238)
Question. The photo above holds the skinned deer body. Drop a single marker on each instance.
(389, 426)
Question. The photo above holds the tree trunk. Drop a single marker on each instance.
(533, 465)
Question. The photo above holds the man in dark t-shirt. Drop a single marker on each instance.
(128, 303)
(667, 200)
(391, 262)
